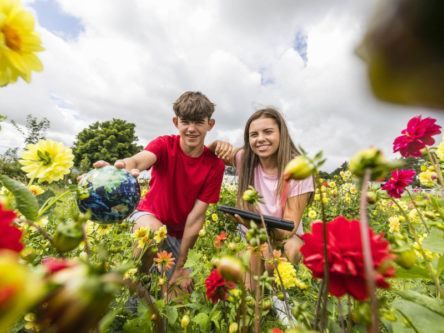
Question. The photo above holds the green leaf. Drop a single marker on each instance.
(171, 314)
(423, 320)
(433, 304)
(434, 241)
(26, 203)
(216, 318)
(416, 272)
(203, 321)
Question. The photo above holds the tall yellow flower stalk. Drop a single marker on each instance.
(46, 161)
(18, 43)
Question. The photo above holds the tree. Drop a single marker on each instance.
(108, 141)
(10, 166)
(35, 129)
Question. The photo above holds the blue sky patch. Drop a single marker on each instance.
(53, 18)
(300, 45)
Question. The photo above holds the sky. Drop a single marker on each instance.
(131, 60)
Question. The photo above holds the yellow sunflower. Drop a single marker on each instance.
(18, 43)
(46, 160)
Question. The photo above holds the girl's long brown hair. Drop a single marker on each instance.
(286, 151)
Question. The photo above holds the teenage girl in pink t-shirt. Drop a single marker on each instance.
(260, 163)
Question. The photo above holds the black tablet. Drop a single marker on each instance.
(270, 221)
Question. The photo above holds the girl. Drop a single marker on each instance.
(260, 163)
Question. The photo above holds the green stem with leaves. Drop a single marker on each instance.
(433, 273)
(368, 259)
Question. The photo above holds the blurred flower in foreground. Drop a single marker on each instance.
(398, 181)
(46, 161)
(345, 257)
(404, 51)
(10, 236)
(79, 299)
(372, 159)
(20, 289)
(18, 43)
(416, 136)
(217, 288)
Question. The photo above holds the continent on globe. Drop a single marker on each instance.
(110, 193)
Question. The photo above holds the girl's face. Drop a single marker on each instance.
(264, 137)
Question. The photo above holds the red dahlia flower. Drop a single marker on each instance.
(217, 287)
(416, 136)
(9, 235)
(398, 181)
(345, 257)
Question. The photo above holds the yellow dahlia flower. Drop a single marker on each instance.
(312, 214)
(46, 160)
(394, 224)
(36, 190)
(160, 234)
(427, 178)
(287, 273)
(18, 43)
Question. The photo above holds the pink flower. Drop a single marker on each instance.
(345, 257)
(54, 265)
(416, 136)
(398, 181)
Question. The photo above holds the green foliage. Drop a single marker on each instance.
(108, 141)
(25, 202)
(35, 129)
(9, 164)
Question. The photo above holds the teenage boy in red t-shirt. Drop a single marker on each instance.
(185, 178)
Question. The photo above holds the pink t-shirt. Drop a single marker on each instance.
(267, 184)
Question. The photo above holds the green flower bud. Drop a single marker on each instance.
(406, 259)
(298, 168)
(185, 321)
(372, 159)
(251, 195)
(231, 269)
(68, 236)
(234, 327)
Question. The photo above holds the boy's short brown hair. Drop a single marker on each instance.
(193, 106)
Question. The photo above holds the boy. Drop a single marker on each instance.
(185, 178)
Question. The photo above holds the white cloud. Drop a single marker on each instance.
(133, 60)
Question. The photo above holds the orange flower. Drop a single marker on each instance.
(219, 239)
(164, 261)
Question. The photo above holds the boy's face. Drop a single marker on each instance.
(192, 133)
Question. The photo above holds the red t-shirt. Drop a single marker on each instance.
(177, 180)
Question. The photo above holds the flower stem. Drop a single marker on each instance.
(275, 263)
(324, 295)
(368, 259)
(419, 213)
(435, 165)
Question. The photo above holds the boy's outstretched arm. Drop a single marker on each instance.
(194, 223)
(141, 161)
(224, 150)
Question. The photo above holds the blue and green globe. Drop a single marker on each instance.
(110, 193)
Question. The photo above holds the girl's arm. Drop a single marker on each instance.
(294, 209)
